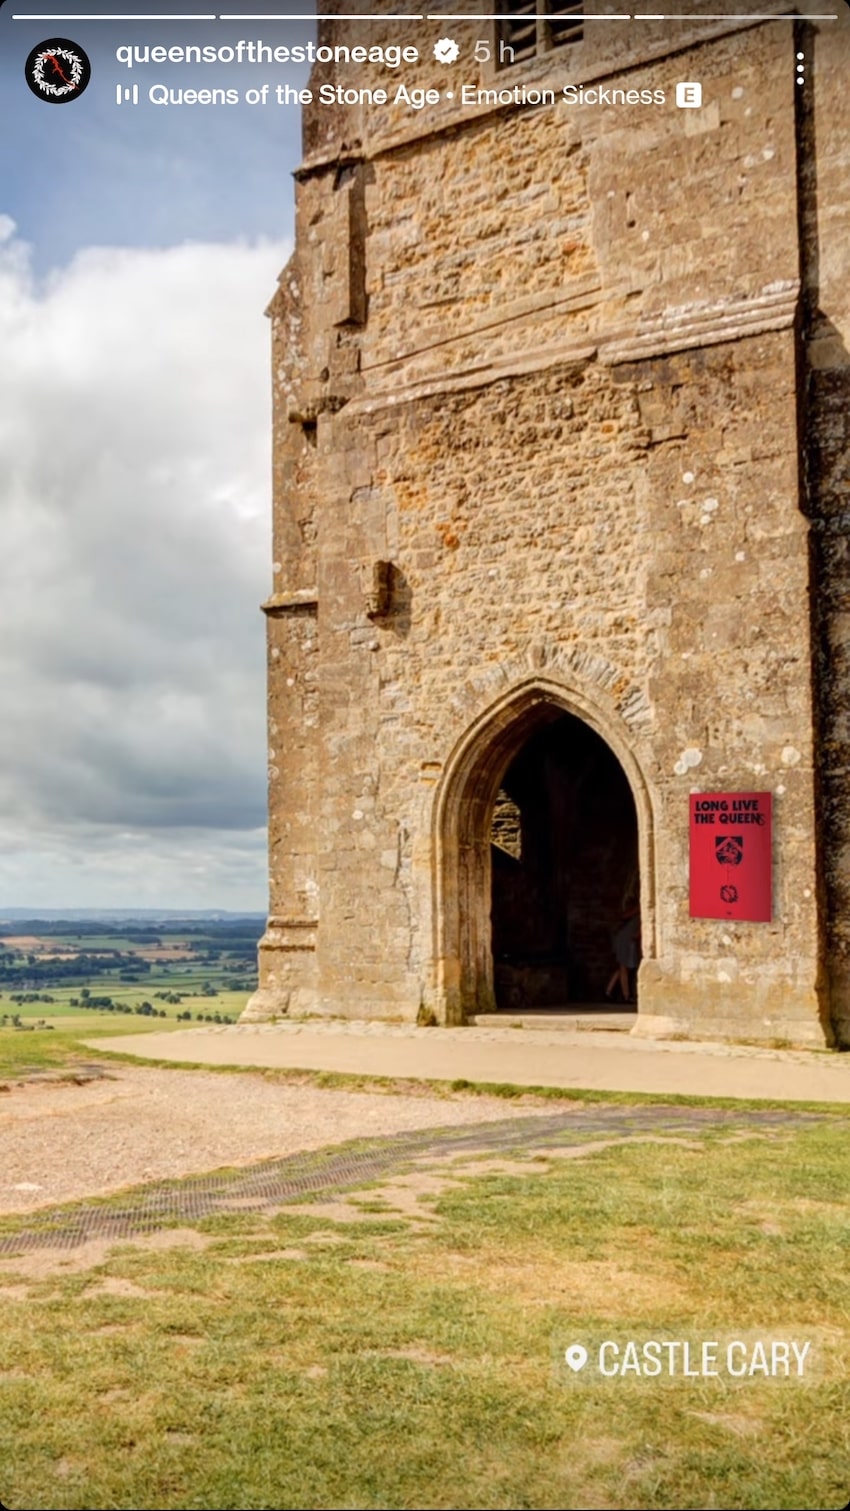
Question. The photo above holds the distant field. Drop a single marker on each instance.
(229, 1003)
(34, 960)
(80, 943)
(212, 974)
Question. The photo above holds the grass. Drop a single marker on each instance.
(225, 1002)
(23, 1051)
(55, 1047)
(42, 1050)
(29, 1049)
(379, 1357)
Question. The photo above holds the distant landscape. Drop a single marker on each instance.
(189, 967)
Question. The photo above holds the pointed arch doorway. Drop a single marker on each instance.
(563, 870)
(542, 843)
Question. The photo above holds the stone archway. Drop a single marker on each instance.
(539, 717)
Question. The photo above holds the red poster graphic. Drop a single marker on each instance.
(731, 855)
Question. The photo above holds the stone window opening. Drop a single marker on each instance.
(506, 825)
(529, 28)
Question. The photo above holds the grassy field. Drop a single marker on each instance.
(403, 1347)
(60, 1047)
(61, 1007)
(27, 1049)
(47, 1033)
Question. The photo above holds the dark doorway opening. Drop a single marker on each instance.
(564, 849)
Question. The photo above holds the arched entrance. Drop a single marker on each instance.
(564, 867)
(543, 826)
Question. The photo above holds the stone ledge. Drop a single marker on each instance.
(656, 335)
(287, 603)
(704, 325)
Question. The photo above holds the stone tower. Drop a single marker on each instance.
(560, 523)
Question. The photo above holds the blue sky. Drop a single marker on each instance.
(139, 247)
(92, 173)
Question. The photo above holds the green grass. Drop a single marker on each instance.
(410, 1365)
(23, 1052)
(33, 1049)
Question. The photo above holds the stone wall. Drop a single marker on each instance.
(824, 130)
(538, 435)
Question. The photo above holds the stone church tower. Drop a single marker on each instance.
(561, 407)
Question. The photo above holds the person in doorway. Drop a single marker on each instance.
(626, 942)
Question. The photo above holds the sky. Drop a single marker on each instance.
(139, 247)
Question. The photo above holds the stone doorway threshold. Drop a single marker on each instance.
(577, 1015)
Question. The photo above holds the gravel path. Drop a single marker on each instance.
(61, 1141)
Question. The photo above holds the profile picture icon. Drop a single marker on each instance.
(57, 71)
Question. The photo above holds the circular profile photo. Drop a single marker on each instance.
(57, 71)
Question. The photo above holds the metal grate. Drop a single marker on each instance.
(273, 1182)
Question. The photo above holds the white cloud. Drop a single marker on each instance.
(135, 508)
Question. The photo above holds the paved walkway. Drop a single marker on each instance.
(598, 1061)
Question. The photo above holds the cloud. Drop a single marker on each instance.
(134, 497)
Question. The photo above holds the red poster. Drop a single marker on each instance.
(731, 855)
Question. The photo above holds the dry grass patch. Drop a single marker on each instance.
(410, 1363)
(41, 1263)
(608, 1288)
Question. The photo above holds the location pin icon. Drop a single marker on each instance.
(576, 1356)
